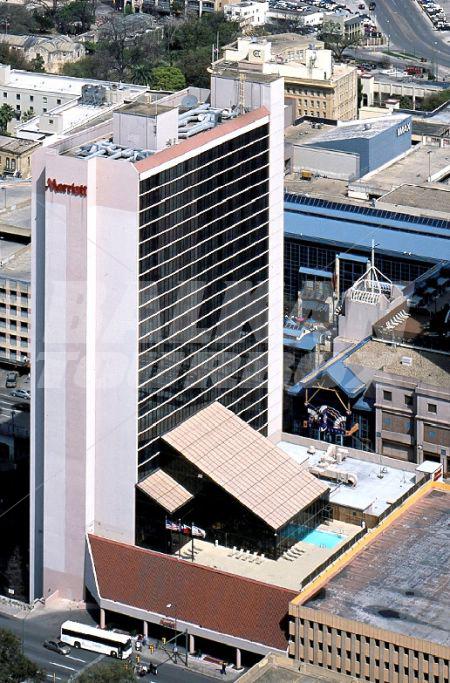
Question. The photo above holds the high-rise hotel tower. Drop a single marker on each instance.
(157, 285)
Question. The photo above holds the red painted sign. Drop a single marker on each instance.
(63, 188)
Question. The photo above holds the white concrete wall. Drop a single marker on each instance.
(87, 394)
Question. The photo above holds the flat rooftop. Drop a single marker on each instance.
(428, 367)
(65, 85)
(399, 582)
(432, 197)
(17, 266)
(412, 169)
(371, 494)
(367, 129)
(305, 132)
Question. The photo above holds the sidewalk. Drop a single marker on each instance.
(198, 664)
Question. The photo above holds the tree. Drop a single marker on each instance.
(16, 19)
(27, 115)
(337, 40)
(14, 666)
(37, 64)
(6, 115)
(75, 17)
(141, 74)
(108, 672)
(168, 78)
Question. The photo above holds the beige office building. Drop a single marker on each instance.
(313, 84)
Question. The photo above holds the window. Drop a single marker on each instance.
(18, 96)
(31, 99)
(387, 395)
(17, 107)
(432, 408)
(13, 164)
(50, 121)
(44, 99)
(58, 101)
(44, 110)
(408, 400)
(5, 94)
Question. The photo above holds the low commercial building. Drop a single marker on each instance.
(349, 149)
(203, 604)
(40, 93)
(313, 84)
(379, 87)
(382, 612)
(247, 13)
(55, 51)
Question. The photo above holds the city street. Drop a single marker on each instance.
(410, 30)
(36, 628)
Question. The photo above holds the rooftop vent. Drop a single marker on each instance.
(406, 360)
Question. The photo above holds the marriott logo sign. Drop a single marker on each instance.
(63, 188)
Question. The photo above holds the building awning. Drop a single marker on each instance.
(303, 270)
(165, 490)
(346, 256)
(245, 464)
(345, 379)
(130, 578)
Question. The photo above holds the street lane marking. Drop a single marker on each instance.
(53, 677)
(76, 659)
(62, 666)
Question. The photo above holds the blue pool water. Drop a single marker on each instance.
(322, 538)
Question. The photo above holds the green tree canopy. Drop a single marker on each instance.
(16, 19)
(6, 115)
(14, 666)
(108, 672)
(337, 40)
(75, 17)
(167, 78)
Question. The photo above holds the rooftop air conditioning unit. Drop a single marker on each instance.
(406, 360)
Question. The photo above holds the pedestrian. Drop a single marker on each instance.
(223, 670)
(175, 653)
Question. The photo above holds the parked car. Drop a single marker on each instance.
(57, 646)
(21, 393)
(11, 380)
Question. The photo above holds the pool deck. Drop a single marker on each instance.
(288, 571)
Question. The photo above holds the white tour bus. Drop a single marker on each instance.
(97, 640)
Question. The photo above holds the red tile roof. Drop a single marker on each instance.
(196, 141)
(209, 598)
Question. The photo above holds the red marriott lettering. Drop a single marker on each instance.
(76, 190)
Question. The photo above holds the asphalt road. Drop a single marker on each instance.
(36, 628)
(410, 30)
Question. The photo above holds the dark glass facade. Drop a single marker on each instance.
(302, 252)
(203, 288)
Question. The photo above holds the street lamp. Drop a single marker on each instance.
(429, 165)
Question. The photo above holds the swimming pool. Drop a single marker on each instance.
(322, 539)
